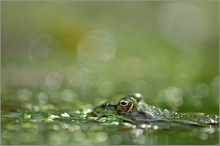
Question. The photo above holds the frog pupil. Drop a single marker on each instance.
(123, 103)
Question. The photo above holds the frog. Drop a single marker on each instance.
(132, 108)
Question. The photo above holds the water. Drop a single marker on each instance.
(25, 127)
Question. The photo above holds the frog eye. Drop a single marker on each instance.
(124, 106)
(123, 103)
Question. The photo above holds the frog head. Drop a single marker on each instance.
(125, 105)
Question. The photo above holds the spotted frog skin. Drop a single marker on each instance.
(134, 108)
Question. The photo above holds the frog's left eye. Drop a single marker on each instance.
(124, 106)
(123, 103)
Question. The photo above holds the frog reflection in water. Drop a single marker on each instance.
(132, 108)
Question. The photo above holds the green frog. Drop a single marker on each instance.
(132, 108)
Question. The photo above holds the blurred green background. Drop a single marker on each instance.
(64, 56)
(87, 51)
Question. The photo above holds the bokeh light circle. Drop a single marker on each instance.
(40, 48)
(96, 48)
